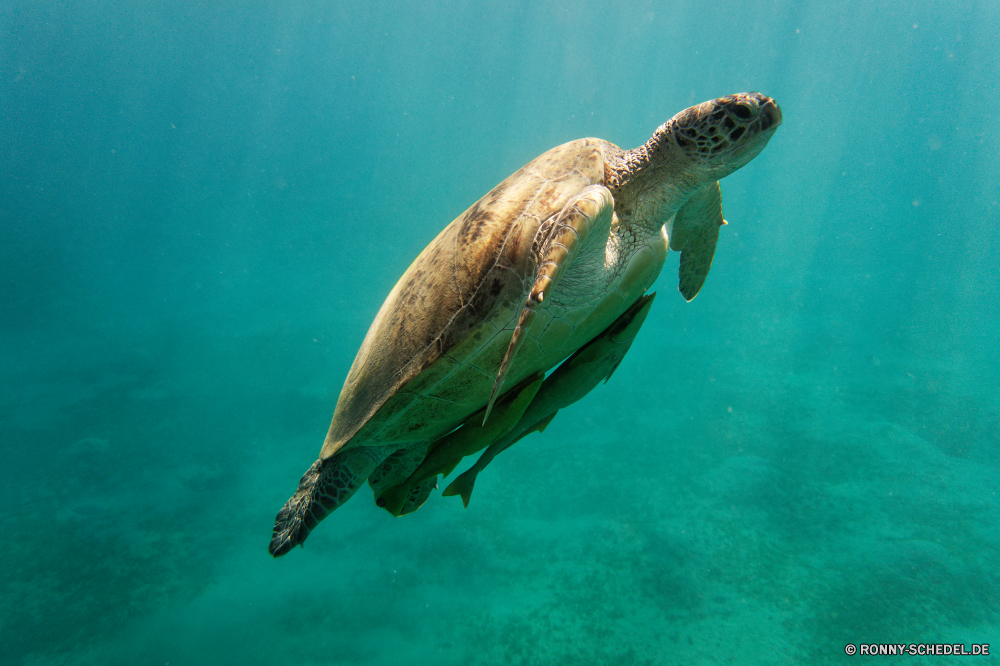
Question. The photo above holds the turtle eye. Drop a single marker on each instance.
(741, 111)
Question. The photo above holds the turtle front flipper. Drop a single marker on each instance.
(326, 485)
(694, 234)
(556, 244)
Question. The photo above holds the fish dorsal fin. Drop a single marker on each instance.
(694, 235)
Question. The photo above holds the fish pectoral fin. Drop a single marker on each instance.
(694, 234)
(558, 239)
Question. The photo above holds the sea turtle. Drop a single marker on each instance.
(575, 378)
(544, 262)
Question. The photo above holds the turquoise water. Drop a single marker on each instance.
(202, 206)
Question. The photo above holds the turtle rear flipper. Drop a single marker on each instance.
(558, 240)
(418, 495)
(325, 486)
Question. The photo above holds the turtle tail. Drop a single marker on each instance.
(325, 486)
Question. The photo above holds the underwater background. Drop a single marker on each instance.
(203, 205)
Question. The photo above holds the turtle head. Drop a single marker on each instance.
(721, 135)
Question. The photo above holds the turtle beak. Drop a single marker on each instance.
(770, 114)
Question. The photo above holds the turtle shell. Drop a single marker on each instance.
(431, 356)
